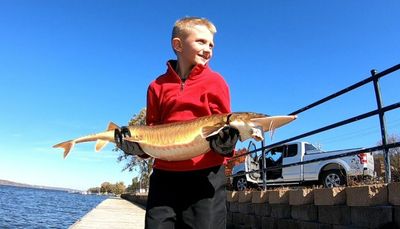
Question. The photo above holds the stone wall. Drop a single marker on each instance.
(370, 206)
(136, 198)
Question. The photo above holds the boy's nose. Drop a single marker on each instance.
(207, 48)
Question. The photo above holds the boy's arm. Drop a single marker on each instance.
(152, 116)
(152, 110)
(225, 141)
(220, 103)
(133, 148)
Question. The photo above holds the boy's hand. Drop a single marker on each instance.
(131, 148)
(225, 141)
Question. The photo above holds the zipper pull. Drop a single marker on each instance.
(182, 85)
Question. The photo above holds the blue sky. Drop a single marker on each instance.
(67, 68)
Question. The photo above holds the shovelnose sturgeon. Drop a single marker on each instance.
(186, 139)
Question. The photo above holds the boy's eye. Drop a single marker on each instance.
(204, 42)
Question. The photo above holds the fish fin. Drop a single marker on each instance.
(271, 123)
(208, 131)
(257, 134)
(112, 126)
(254, 133)
(100, 144)
(67, 146)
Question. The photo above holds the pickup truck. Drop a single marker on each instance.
(329, 173)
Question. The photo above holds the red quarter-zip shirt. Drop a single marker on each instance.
(169, 99)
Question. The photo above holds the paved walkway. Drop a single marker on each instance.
(113, 213)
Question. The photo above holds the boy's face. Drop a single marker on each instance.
(196, 47)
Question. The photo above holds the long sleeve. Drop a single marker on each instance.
(152, 110)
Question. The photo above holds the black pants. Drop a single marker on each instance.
(193, 199)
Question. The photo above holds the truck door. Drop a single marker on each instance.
(273, 158)
(252, 163)
(291, 155)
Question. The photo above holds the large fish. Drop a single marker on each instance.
(187, 139)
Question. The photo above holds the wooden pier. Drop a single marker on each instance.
(113, 213)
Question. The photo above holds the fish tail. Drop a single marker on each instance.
(67, 146)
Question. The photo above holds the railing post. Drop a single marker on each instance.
(388, 177)
(264, 171)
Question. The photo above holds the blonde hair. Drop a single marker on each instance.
(183, 25)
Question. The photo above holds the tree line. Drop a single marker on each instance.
(108, 188)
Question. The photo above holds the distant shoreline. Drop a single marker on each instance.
(22, 185)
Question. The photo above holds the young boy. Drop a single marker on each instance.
(191, 193)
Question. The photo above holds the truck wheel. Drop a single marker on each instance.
(240, 183)
(333, 178)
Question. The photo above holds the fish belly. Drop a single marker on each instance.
(177, 152)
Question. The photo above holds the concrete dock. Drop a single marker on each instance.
(113, 213)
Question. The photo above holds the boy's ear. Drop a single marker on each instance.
(177, 44)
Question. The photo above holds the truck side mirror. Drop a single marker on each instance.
(251, 147)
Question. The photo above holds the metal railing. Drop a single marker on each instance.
(380, 111)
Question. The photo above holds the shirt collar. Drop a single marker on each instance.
(196, 70)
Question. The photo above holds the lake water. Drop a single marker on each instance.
(40, 208)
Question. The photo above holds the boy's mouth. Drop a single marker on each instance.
(204, 57)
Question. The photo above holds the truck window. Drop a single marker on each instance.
(291, 150)
(309, 148)
(275, 154)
